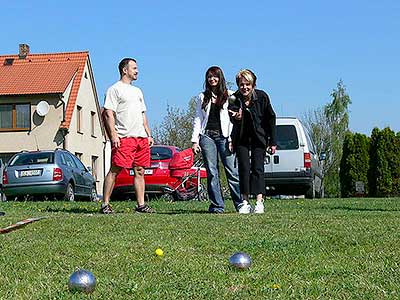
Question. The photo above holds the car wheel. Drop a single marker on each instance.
(70, 193)
(93, 194)
(310, 194)
(3, 197)
(203, 194)
(224, 189)
(168, 197)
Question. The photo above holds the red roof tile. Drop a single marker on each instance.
(31, 79)
(43, 74)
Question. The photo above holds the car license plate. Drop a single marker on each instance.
(146, 172)
(27, 173)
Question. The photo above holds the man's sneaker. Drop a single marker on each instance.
(259, 208)
(106, 209)
(144, 209)
(244, 208)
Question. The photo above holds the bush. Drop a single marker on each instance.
(384, 173)
(354, 164)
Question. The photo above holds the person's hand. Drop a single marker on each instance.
(115, 142)
(236, 114)
(271, 150)
(151, 141)
(230, 147)
(195, 148)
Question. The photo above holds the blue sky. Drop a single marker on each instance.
(298, 49)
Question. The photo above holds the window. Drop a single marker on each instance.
(5, 157)
(79, 119)
(286, 136)
(79, 164)
(158, 153)
(78, 155)
(309, 142)
(69, 160)
(15, 117)
(63, 160)
(94, 167)
(32, 158)
(92, 122)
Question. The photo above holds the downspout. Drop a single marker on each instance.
(105, 147)
(63, 131)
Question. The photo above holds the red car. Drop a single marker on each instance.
(159, 177)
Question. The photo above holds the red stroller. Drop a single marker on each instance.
(189, 173)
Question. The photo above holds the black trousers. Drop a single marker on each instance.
(251, 167)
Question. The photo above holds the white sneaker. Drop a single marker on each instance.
(244, 208)
(259, 208)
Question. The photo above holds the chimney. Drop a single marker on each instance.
(23, 51)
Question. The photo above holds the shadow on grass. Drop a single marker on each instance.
(77, 210)
(360, 209)
(190, 212)
(182, 212)
(74, 210)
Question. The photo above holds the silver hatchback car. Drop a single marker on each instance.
(48, 174)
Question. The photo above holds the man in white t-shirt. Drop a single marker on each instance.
(128, 129)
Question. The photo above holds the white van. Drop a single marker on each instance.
(295, 168)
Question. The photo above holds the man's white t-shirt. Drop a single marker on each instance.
(127, 102)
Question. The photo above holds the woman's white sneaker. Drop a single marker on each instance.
(244, 208)
(259, 208)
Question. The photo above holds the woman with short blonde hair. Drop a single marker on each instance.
(253, 134)
(248, 75)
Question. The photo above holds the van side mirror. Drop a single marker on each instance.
(89, 169)
(322, 156)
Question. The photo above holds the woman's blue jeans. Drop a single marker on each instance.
(214, 147)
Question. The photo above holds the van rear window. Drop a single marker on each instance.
(286, 137)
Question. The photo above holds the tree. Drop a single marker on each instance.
(177, 126)
(316, 125)
(384, 175)
(327, 127)
(396, 164)
(354, 164)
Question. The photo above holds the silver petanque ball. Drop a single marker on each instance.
(82, 281)
(240, 260)
(232, 99)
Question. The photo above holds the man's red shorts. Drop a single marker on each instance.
(133, 152)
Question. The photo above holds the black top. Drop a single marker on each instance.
(250, 134)
(262, 116)
(214, 119)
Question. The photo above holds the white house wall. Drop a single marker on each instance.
(84, 142)
(43, 129)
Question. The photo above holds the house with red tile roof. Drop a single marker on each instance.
(50, 101)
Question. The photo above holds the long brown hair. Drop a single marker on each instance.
(221, 90)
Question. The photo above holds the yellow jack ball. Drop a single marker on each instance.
(159, 252)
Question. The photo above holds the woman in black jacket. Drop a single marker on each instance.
(253, 133)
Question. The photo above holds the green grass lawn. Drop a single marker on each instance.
(301, 249)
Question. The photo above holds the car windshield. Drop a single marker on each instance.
(158, 153)
(286, 137)
(32, 158)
